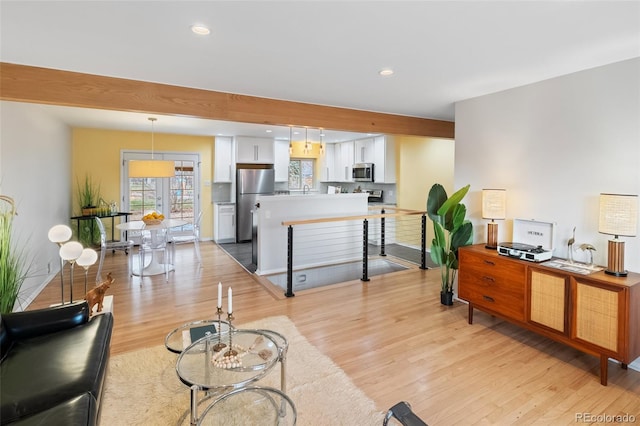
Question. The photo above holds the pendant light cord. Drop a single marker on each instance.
(152, 120)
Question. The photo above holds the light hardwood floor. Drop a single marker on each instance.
(390, 335)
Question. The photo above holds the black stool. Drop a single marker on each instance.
(402, 412)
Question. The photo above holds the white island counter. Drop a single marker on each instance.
(272, 235)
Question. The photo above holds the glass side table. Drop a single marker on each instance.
(255, 406)
(203, 369)
(183, 336)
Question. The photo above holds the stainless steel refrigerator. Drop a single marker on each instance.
(250, 183)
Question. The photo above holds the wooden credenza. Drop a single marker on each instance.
(598, 313)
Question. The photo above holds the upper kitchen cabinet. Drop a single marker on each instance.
(384, 158)
(344, 156)
(281, 164)
(254, 150)
(223, 159)
(327, 167)
(365, 151)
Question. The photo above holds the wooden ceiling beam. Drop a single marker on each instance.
(24, 83)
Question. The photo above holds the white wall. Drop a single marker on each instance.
(35, 170)
(555, 146)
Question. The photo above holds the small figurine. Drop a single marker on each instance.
(570, 243)
(590, 249)
(96, 295)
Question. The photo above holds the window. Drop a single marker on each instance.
(301, 173)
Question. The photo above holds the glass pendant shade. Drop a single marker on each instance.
(87, 258)
(71, 250)
(59, 234)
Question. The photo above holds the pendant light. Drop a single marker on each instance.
(321, 141)
(306, 140)
(151, 168)
(290, 140)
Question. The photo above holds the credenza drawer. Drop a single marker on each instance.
(493, 283)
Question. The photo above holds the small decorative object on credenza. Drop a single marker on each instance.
(494, 206)
(96, 295)
(618, 217)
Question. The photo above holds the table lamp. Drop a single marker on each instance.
(618, 217)
(71, 251)
(494, 206)
(60, 234)
(86, 259)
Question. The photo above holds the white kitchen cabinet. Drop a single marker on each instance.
(327, 167)
(384, 159)
(224, 223)
(223, 159)
(281, 164)
(365, 150)
(254, 150)
(344, 161)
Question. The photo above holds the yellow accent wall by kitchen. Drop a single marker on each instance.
(421, 162)
(96, 152)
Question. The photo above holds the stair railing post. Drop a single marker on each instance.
(289, 292)
(382, 234)
(423, 243)
(365, 250)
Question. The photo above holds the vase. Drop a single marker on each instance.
(446, 298)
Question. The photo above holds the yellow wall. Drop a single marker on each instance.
(421, 162)
(96, 152)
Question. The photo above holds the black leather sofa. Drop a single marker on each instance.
(53, 365)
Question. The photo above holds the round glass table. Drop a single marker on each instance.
(183, 336)
(204, 366)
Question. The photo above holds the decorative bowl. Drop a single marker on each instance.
(152, 221)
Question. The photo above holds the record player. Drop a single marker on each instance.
(535, 241)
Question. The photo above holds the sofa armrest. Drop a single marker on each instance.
(27, 324)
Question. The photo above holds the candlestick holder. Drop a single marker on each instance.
(219, 346)
(231, 352)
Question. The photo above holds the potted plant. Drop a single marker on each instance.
(451, 231)
(88, 196)
(14, 267)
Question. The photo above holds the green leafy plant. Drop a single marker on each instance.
(14, 267)
(88, 193)
(451, 230)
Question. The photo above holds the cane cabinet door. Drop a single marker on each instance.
(598, 314)
(548, 300)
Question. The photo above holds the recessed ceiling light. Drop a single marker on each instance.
(200, 29)
(386, 72)
(269, 130)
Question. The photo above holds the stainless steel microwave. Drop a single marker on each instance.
(363, 172)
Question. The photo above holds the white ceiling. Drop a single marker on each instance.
(321, 52)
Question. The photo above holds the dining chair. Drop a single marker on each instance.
(186, 236)
(154, 241)
(105, 245)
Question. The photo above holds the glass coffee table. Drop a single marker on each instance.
(183, 336)
(224, 377)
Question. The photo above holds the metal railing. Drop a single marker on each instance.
(332, 241)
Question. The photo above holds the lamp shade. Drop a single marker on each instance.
(59, 234)
(87, 258)
(151, 168)
(71, 250)
(494, 203)
(618, 214)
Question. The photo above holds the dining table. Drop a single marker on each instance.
(156, 266)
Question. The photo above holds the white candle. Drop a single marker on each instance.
(230, 302)
(219, 295)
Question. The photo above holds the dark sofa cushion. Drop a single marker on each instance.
(81, 410)
(43, 371)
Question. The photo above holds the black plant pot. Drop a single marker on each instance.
(446, 298)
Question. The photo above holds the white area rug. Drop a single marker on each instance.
(142, 387)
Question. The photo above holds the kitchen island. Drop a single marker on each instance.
(272, 234)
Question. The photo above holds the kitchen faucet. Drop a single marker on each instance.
(305, 189)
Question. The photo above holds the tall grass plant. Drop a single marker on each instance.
(14, 266)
